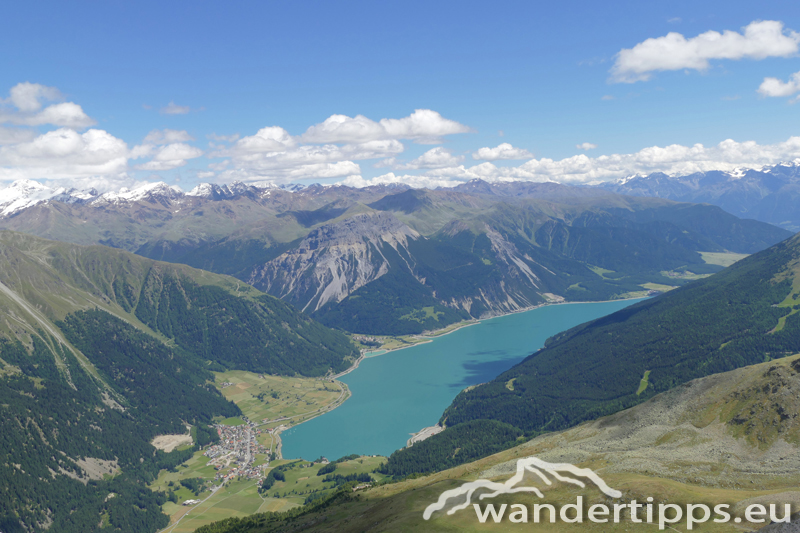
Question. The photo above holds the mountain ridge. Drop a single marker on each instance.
(473, 251)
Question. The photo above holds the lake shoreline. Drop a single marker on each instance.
(466, 323)
(416, 398)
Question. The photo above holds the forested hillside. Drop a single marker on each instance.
(746, 314)
(102, 350)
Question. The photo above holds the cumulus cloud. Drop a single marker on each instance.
(174, 109)
(25, 107)
(331, 147)
(15, 135)
(171, 156)
(415, 181)
(435, 158)
(167, 136)
(274, 154)
(422, 126)
(284, 174)
(674, 159)
(776, 88)
(502, 151)
(27, 97)
(64, 153)
(586, 146)
(758, 40)
(269, 139)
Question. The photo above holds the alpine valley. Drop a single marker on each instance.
(394, 260)
(121, 312)
(666, 411)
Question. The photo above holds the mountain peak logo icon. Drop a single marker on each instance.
(565, 472)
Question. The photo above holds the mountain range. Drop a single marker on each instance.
(769, 194)
(395, 260)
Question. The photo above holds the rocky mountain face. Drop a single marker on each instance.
(389, 259)
(334, 260)
(769, 194)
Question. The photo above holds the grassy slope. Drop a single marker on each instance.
(46, 280)
(731, 419)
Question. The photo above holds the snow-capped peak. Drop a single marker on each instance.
(204, 190)
(149, 190)
(22, 194)
(738, 172)
(626, 179)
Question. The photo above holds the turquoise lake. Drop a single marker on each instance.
(401, 392)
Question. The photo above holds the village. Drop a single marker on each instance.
(238, 448)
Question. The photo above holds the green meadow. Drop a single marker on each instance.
(241, 497)
(262, 397)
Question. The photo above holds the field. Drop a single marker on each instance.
(404, 341)
(276, 399)
(241, 497)
(658, 287)
(269, 402)
(721, 259)
(235, 498)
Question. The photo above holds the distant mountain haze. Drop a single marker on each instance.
(770, 194)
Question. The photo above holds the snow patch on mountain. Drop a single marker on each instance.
(23, 194)
(158, 190)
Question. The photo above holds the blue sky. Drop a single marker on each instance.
(539, 77)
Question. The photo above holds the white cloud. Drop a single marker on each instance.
(174, 109)
(673, 159)
(269, 139)
(502, 151)
(273, 153)
(311, 171)
(15, 135)
(28, 100)
(27, 97)
(586, 146)
(332, 147)
(63, 154)
(435, 158)
(422, 126)
(411, 180)
(775, 87)
(167, 136)
(171, 156)
(759, 40)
